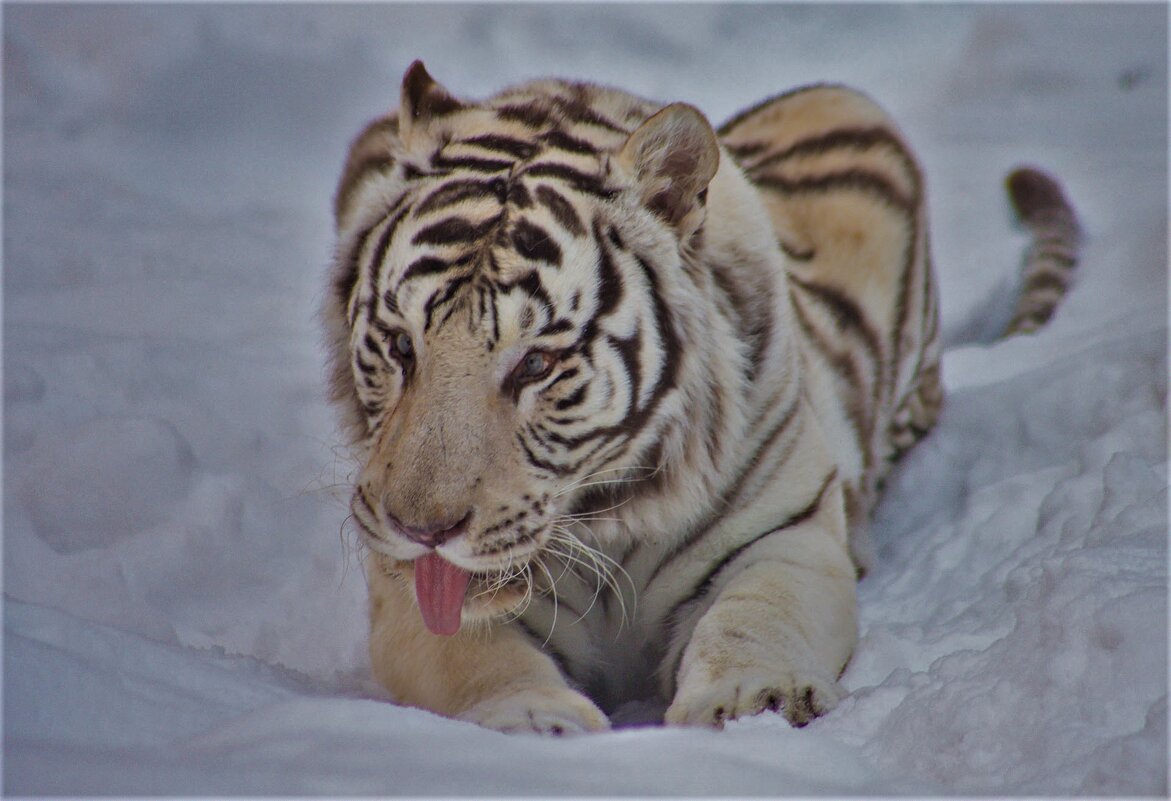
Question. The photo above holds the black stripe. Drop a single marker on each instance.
(454, 230)
(731, 493)
(384, 244)
(845, 312)
(559, 326)
(704, 585)
(563, 141)
(844, 365)
(541, 464)
(364, 366)
(442, 162)
(1043, 280)
(855, 179)
(346, 283)
(667, 336)
(535, 243)
(561, 209)
(564, 375)
(495, 317)
(842, 138)
(615, 238)
(609, 280)
(637, 419)
(629, 351)
(530, 284)
(752, 315)
(436, 300)
(390, 301)
(457, 191)
(372, 408)
(554, 437)
(573, 399)
(578, 110)
(535, 114)
(582, 182)
(429, 265)
(372, 345)
(382, 328)
(747, 150)
(518, 195)
(504, 144)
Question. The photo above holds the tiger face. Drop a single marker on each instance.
(506, 338)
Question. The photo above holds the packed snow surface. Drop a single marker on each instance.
(184, 605)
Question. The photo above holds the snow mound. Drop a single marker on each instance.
(75, 508)
(184, 608)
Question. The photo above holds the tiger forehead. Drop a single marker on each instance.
(509, 168)
(500, 219)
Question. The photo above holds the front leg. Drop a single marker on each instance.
(778, 634)
(487, 674)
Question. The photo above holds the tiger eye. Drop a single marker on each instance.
(535, 364)
(403, 345)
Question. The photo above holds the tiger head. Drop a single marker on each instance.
(506, 323)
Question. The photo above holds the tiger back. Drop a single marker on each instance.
(622, 392)
(846, 199)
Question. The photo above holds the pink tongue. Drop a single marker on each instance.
(440, 587)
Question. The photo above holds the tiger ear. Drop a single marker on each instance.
(672, 157)
(422, 101)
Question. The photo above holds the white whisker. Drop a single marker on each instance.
(577, 483)
(597, 562)
(553, 590)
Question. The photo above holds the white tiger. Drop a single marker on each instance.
(623, 392)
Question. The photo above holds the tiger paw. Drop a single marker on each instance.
(556, 711)
(743, 693)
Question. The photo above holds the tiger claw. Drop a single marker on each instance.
(722, 701)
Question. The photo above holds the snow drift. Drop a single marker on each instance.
(184, 608)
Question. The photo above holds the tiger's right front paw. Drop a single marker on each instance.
(552, 710)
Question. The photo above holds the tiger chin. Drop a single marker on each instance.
(623, 388)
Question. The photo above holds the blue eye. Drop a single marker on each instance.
(536, 364)
(402, 345)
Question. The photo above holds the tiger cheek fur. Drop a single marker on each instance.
(624, 390)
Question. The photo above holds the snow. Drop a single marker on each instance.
(183, 604)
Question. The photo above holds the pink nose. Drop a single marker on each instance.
(433, 534)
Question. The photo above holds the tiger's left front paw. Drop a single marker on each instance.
(749, 692)
(539, 710)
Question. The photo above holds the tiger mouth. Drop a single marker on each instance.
(486, 593)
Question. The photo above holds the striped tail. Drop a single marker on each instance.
(1047, 270)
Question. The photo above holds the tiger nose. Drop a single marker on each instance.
(431, 534)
